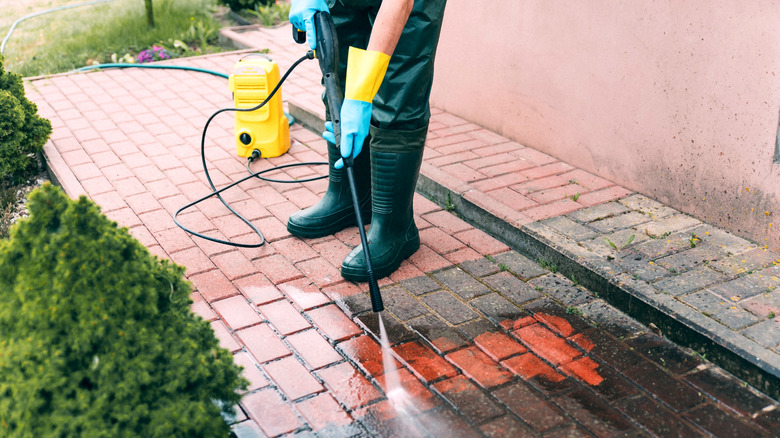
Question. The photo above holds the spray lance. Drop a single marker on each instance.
(327, 55)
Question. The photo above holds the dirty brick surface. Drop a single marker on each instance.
(487, 342)
(709, 280)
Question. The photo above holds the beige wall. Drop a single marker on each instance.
(676, 99)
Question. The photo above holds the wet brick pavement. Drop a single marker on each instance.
(488, 342)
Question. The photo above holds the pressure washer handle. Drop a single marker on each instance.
(328, 58)
(327, 42)
(348, 161)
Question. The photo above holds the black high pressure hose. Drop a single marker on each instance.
(328, 61)
(217, 192)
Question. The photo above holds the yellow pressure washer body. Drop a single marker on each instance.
(266, 129)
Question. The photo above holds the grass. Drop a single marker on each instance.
(65, 40)
(626, 243)
(547, 265)
(448, 205)
(13, 10)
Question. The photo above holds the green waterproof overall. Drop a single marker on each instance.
(386, 170)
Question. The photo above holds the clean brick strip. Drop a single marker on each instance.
(273, 415)
(292, 378)
(480, 367)
(263, 343)
(547, 344)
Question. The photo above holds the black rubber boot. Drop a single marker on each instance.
(393, 235)
(335, 211)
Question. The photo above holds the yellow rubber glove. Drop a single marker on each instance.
(365, 71)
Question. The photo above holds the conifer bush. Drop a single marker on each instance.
(22, 132)
(97, 338)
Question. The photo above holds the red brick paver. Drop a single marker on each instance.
(292, 378)
(348, 385)
(271, 412)
(425, 362)
(314, 349)
(480, 367)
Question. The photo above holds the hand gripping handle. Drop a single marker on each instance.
(328, 58)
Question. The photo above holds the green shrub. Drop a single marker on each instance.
(237, 5)
(272, 14)
(97, 338)
(22, 132)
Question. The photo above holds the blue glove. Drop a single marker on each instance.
(355, 120)
(302, 17)
(328, 134)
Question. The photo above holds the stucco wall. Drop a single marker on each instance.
(678, 100)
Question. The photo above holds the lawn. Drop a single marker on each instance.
(72, 38)
(15, 9)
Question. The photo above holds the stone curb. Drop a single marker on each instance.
(60, 173)
(231, 36)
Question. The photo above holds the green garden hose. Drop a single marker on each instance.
(157, 66)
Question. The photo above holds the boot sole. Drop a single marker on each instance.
(312, 232)
(361, 275)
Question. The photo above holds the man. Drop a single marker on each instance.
(386, 55)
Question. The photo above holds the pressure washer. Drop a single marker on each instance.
(265, 130)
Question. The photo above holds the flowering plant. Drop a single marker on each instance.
(156, 53)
